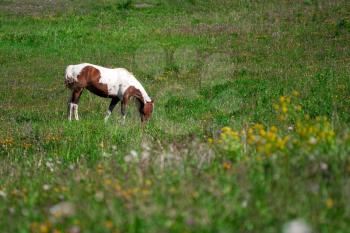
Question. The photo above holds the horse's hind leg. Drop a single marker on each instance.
(73, 104)
(112, 105)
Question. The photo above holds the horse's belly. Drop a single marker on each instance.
(112, 89)
(98, 91)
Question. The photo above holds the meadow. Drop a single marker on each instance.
(250, 131)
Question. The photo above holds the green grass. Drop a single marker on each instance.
(245, 55)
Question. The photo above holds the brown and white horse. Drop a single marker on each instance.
(118, 84)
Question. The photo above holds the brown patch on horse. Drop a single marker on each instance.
(133, 92)
(145, 109)
(89, 78)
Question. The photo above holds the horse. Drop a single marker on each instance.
(118, 84)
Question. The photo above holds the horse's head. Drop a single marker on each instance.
(147, 111)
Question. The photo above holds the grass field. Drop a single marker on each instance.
(250, 131)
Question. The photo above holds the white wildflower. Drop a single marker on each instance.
(12, 210)
(2, 194)
(62, 209)
(296, 226)
(324, 166)
(133, 153)
(131, 157)
(313, 140)
(99, 196)
(244, 204)
(50, 165)
(74, 229)
(46, 187)
(25, 212)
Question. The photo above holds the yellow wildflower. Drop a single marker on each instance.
(26, 145)
(329, 203)
(76, 221)
(227, 165)
(295, 93)
(273, 129)
(288, 99)
(146, 192)
(268, 148)
(251, 139)
(172, 190)
(262, 132)
(281, 117)
(258, 126)
(282, 99)
(99, 168)
(44, 227)
(276, 107)
(280, 144)
(271, 136)
(225, 129)
(108, 224)
(284, 109)
(34, 227)
(148, 182)
(6, 142)
(107, 182)
(250, 131)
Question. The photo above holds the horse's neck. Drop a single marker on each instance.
(139, 96)
(145, 97)
(140, 103)
(144, 94)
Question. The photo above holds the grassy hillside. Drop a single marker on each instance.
(250, 130)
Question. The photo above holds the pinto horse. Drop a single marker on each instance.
(118, 84)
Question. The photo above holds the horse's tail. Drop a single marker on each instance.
(69, 77)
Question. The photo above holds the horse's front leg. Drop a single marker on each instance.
(112, 105)
(73, 103)
(123, 109)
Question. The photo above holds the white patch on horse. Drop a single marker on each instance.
(118, 80)
(76, 116)
(73, 109)
(123, 121)
(70, 112)
(72, 72)
(108, 114)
